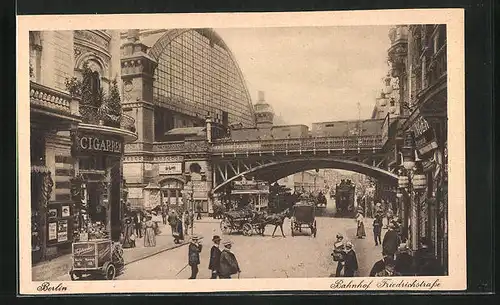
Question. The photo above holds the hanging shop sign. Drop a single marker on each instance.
(84, 143)
(171, 168)
(425, 138)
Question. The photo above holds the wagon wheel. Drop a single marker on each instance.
(314, 229)
(109, 271)
(225, 226)
(75, 275)
(247, 229)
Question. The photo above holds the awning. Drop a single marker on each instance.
(186, 131)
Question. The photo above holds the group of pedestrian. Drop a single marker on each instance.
(139, 225)
(402, 263)
(223, 263)
(345, 256)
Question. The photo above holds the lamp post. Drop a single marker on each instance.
(413, 181)
(192, 208)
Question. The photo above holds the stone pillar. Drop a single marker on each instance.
(209, 129)
(137, 70)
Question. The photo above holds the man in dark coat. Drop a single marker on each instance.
(228, 262)
(391, 241)
(215, 252)
(194, 256)
(350, 261)
(379, 265)
(164, 213)
(138, 223)
(377, 230)
(426, 263)
(172, 221)
(384, 267)
(404, 261)
(339, 254)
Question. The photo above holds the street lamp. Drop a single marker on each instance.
(413, 180)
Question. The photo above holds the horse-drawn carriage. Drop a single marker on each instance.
(303, 215)
(244, 220)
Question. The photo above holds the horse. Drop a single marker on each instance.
(277, 220)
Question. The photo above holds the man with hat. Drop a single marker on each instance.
(350, 261)
(215, 257)
(391, 241)
(228, 263)
(404, 261)
(339, 253)
(194, 256)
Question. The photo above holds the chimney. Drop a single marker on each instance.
(261, 96)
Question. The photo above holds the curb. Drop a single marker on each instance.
(158, 252)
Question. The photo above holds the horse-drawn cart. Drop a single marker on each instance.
(303, 215)
(101, 258)
(244, 220)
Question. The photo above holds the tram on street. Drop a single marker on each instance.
(344, 199)
(251, 193)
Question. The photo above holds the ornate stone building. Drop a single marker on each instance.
(419, 61)
(183, 87)
(76, 142)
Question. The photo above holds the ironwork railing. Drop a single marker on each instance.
(46, 97)
(97, 116)
(299, 144)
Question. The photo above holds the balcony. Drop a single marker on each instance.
(52, 100)
(437, 67)
(96, 116)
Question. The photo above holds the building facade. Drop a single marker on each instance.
(418, 59)
(77, 137)
(180, 85)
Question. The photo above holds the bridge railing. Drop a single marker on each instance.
(298, 144)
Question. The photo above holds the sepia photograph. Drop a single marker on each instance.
(288, 151)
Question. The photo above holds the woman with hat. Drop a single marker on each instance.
(360, 232)
(128, 233)
(338, 253)
(350, 261)
(215, 257)
(194, 256)
(149, 232)
(228, 263)
(391, 241)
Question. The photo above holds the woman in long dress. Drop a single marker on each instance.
(128, 234)
(360, 233)
(149, 235)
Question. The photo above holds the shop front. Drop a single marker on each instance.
(97, 185)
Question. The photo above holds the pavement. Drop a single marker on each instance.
(58, 268)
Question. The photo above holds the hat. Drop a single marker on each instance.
(227, 243)
(403, 247)
(194, 237)
(340, 235)
(391, 226)
(349, 245)
(216, 237)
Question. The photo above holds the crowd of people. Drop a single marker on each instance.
(223, 263)
(397, 259)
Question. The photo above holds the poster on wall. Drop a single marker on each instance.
(65, 211)
(52, 231)
(52, 213)
(62, 230)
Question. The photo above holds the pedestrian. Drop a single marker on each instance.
(164, 213)
(384, 267)
(198, 211)
(149, 232)
(377, 231)
(391, 241)
(215, 252)
(404, 261)
(186, 222)
(426, 263)
(172, 221)
(128, 234)
(350, 261)
(389, 215)
(360, 232)
(228, 262)
(338, 254)
(138, 224)
(194, 256)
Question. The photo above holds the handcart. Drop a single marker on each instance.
(100, 258)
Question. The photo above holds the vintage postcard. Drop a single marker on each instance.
(311, 151)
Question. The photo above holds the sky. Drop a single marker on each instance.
(313, 74)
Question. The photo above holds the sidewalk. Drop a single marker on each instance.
(60, 266)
